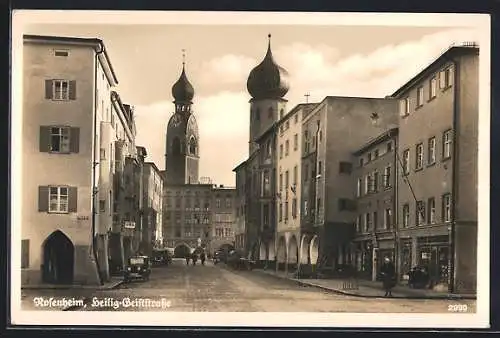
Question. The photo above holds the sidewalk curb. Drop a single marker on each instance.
(111, 286)
(347, 293)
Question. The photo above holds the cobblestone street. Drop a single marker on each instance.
(215, 288)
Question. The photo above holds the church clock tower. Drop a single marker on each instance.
(182, 140)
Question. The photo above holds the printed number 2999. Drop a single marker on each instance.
(457, 308)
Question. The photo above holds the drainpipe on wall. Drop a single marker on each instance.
(94, 164)
(395, 218)
(454, 181)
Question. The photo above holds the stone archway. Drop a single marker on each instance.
(58, 259)
(281, 254)
(314, 250)
(226, 247)
(271, 255)
(293, 253)
(304, 250)
(182, 250)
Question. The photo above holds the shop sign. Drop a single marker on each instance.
(129, 225)
(426, 255)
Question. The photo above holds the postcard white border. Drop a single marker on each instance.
(480, 319)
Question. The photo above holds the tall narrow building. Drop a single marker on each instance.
(188, 211)
(267, 84)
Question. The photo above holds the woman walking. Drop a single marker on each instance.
(388, 273)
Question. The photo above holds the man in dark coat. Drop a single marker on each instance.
(388, 272)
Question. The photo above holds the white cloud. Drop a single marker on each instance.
(227, 69)
(317, 70)
(223, 126)
(223, 117)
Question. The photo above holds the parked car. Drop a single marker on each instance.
(161, 257)
(138, 267)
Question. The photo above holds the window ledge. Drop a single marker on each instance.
(60, 152)
(419, 169)
(432, 98)
(431, 164)
(445, 159)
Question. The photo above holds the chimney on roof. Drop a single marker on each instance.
(221, 186)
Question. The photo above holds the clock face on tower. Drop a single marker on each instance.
(176, 120)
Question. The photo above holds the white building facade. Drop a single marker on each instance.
(66, 100)
(289, 156)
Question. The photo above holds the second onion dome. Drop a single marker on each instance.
(268, 80)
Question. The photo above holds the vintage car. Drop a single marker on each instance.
(138, 267)
(161, 257)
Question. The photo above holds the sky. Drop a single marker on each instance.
(369, 61)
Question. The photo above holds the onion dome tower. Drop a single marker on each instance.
(267, 83)
(268, 80)
(183, 92)
(182, 140)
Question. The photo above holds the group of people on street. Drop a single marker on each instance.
(193, 257)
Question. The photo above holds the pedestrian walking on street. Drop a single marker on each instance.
(388, 272)
(202, 258)
(187, 259)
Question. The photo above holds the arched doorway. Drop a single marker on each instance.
(304, 250)
(281, 257)
(292, 253)
(262, 251)
(58, 259)
(182, 250)
(226, 248)
(271, 255)
(314, 250)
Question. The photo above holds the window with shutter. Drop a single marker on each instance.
(61, 90)
(55, 139)
(57, 197)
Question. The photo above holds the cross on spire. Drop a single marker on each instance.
(183, 57)
(307, 97)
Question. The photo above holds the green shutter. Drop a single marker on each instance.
(72, 90)
(72, 199)
(43, 198)
(45, 145)
(74, 144)
(48, 89)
